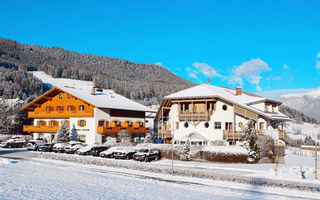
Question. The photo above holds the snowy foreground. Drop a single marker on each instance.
(50, 179)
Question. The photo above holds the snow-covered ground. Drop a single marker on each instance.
(36, 179)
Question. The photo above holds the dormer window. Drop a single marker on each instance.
(81, 107)
(60, 96)
(273, 109)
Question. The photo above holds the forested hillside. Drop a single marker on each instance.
(298, 115)
(146, 83)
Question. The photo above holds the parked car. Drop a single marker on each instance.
(46, 147)
(108, 153)
(147, 154)
(33, 145)
(59, 147)
(14, 142)
(95, 151)
(84, 150)
(71, 149)
(124, 152)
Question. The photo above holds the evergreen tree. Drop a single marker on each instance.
(250, 143)
(63, 134)
(185, 152)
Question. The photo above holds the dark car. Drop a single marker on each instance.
(147, 154)
(46, 147)
(108, 153)
(95, 151)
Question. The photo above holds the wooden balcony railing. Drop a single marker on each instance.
(195, 116)
(165, 132)
(260, 132)
(115, 130)
(40, 129)
(229, 135)
(60, 114)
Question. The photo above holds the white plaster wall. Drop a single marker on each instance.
(260, 106)
(219, 115)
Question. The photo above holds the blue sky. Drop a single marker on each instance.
(260, 45)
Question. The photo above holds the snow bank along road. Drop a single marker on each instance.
(47, 179)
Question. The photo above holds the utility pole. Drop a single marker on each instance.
(316, 159)
(172, 148)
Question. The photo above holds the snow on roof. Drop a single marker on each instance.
(244, 100)
(82, 90)
(194, 137)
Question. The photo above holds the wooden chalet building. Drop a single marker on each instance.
(206, 113)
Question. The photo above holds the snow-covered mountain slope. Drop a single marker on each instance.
(304, 100)
(309, 102)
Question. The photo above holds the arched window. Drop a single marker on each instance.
(186, 125)
(206, 125)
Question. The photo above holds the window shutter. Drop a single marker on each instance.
(84, 122)
(78, 122)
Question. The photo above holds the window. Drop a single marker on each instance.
(228, 126)
(206, 125)
(52, 123)
(59, 108)
(217, 125)
(261, 125)
(82, 138)
(101, 123)
(240, 124)
(224, 107)
(81, 107)
(48, 109)
(273, 109)
(177, 125)
(60, 96)
(82, 123)
(186, 125)
(70, 108)
(69, 96)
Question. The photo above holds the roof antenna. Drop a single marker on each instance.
(208, 80)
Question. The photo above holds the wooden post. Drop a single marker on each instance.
(162, 125)
(233, 125)
(316, 160)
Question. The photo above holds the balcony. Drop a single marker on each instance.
(60, 114)
(165, 132)
(229, 135)
(195, 116)
(115, 130)
(40, 129)
(260, 132)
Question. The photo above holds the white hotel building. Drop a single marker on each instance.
(205, 113)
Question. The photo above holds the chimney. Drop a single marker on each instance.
(238, 90)
(93, 91)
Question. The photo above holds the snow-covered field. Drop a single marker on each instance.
(63, 180)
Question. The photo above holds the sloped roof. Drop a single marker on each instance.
(82, 90)
(104, 99)
(245, 100)
(194, 137)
